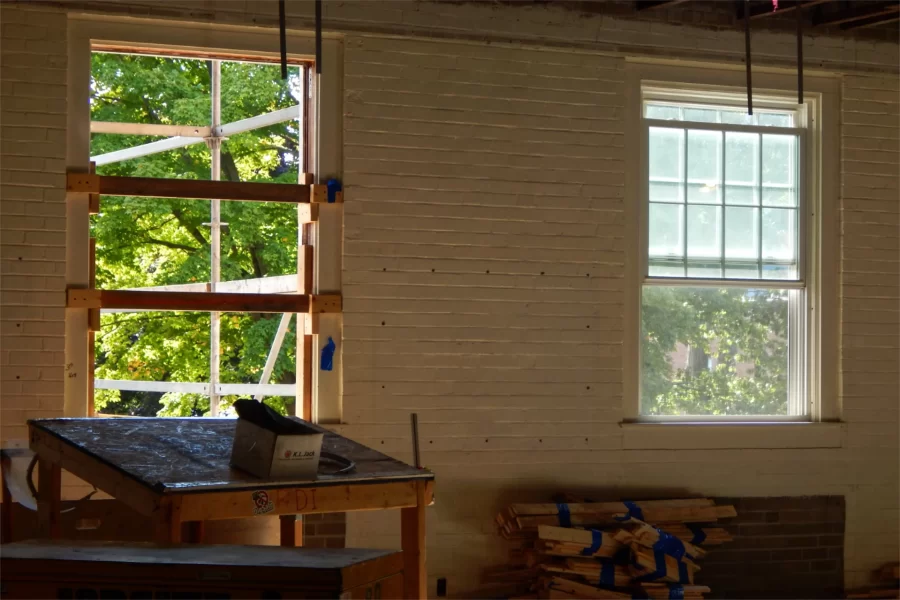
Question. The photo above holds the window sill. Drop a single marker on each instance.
(710, 436)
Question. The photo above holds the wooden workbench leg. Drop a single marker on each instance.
(168, 521)
(412, 540)
(291, 530)
(49, 498)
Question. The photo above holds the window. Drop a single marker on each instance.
(725, 296)
(186, 117)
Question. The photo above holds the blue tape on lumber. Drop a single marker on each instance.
(669, 544)
(596, 542)
(608, 574)
(634, 512)
(676, 592)
(683, 576)
(333, 186)
(699, 534)
(660, 568)
(565, 517)
(327, 362)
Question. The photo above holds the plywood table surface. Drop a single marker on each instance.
(177, 471)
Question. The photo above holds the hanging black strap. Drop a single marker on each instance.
(799, 11)
(318, 36)
(747, 51)
(283, 38)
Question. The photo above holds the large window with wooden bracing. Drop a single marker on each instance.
(188, 118)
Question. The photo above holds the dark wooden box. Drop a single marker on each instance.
(42, 569)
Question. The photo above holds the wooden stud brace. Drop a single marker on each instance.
(186, 188)
(93, 199)
(311, 323)
(319, 193)
(325, 303)
(202, 301)
(307, 213)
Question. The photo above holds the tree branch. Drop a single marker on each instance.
(172, 245)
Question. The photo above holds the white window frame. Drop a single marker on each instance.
(715, 84)
(326, 156)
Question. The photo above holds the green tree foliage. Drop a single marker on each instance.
(144, 242)
(744, 332)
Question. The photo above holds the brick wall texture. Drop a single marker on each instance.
(484, 252)
(783, 548)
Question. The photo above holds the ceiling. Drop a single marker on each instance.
(870, 19)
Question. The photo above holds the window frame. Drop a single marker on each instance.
(818, 181)
(324, 123)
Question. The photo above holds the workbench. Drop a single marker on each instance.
(176, 470)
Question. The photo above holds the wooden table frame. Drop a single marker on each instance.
(170, 510)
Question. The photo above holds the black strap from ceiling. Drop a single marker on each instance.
(747, 51)
(283, 38)
(799, 11)
(318, 36)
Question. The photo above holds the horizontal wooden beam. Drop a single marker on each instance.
(149, 129)
(211, 505)
(645, 4)
(784, 6)
(858, 12)
(871, 21)
(187, 188)
(202, 301)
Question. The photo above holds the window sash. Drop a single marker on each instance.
(801, 208)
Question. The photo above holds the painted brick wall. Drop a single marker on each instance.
(32, 215)
(484, 260)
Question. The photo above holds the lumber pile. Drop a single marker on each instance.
(887, 584)
(576, 548)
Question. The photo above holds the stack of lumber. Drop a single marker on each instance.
(887, 584)
(583, 549)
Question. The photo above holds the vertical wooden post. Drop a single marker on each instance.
(192, 532)
(291, 530)
(168, 521)
(6, 525)
(93, 325)
(412, 540)
(49, 497)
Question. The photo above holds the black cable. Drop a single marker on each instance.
(799, 10)
(29, 479)
(348, 465)
(747, 51)
(318, 37)
(283, 34)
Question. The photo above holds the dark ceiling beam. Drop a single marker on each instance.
(645, 4)
(859, 11)
(784, 6)
(871, 21)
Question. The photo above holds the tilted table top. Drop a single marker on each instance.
(192, 454)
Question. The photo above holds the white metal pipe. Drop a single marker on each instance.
(272, 118)
(145, 150)
(274, 351)
(215, 235)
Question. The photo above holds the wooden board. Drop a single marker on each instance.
(186, 188)
(172, 455)
(202, 301)
(332, 570)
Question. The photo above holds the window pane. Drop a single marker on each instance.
(666, 231)
(666, 192)
(779, 243)
(779, 234)
(704, 166)
(666, 160)
(738, 117)
(711, 351)
(661, 111)
(741, 158)
(778, 159)
(776, 119)
(779, 196)
(703, 115)
(742, 234)
(671, 268)
(704, 237)
(747, 195)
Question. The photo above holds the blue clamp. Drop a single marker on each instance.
(333, 186)
(327, 362)
(565, 517)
